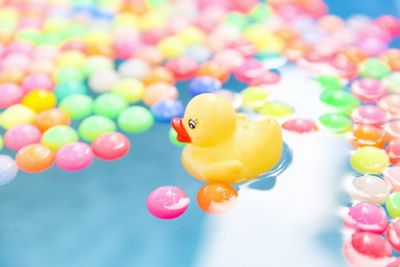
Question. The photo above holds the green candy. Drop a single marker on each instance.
(336, 122)
(1, 143)
(330, 82)
(135, 119)
(374, 68)
(340, 100)
(68, 88)
(369, 160)
(65, 74)
(109, 105)
(172, 135)
(93, 126)
(393, 205)
(392, 83)
(96, 64)
(58, 136)
(260, 13)
(77, 106)
(237, 19)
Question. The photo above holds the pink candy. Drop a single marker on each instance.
(37, 81)
(22, 135)
(167, 202)
(74, 157)
(10, 94)
(251, 69)
(368, 90)
(365, 217)
(391, 104)
(111, 146)
(393, 151)
(300, 126)
(183, 68)
(392, 176)
(371, 115)
(393, 234)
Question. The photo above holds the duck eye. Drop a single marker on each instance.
(192, 124)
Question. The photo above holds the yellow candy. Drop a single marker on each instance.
(55, 25)
(254, 97)
(16, 115)
(130, 89)
(39, 100)
(192, 35)
(74, 59)
(126, 19)
(152, 20)
(276, 109)
(171, 46)
(369, 160)
(263, 39)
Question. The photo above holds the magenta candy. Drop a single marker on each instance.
(300, 126)
(371, 115)
(20, 136)
(251, 69)
(392, 176)
(368, 90)
(183, 68)
(390, 23)
(167, 202)
(37, 81)
(74, 157)
(365, 217)
(393, 234)
(111, 146)
(10, 94)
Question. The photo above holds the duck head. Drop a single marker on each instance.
(209, 119)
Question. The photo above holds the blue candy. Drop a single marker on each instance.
(8, 169)
(204, 84)
(164, 111)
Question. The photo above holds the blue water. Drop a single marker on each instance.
(98, 218)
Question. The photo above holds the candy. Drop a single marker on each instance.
(111, 146)
(20, 136)
(367, 135)
(171, 47)
(103, 80)
(392, 82)
(374, 68)
(8, 169)
(371, 115)
(368, 90)
(391, 104)
(276, 109)
(249, 70)
(1, 143)
(172, 135)
(68, 88)
(131, 90)
(204, 84)
(135, 119)
(369, 160)
(254, 97)
(157, 92)
(393, 205)
(164, 111)
(167, 202)
(74, 157)
(58, 136)
(109, 105)
(300, 126)
(365, 217)
(77, 106)
(10, 94)
(214, 69)
(183, 68)
(393, 151)
(65, 74)
(16, 115)
(93, 126)
(51, 117)
(94, 64)
(392, 176)
(393, 234)
(134, 69)
(339, 100)
(336, 122)
(37, 81)
(159, 74)
(370, 189)
(39, 100)
(216, 198)
(34, 158)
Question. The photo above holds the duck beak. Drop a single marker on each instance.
(183, 136)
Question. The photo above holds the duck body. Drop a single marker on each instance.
(245, 151)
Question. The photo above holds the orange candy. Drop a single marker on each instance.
(392, 58)
(353, 54)
(217, 198)
(151, 55)
(34, 158)
(51, 117)
(214, 69)
(367, 135)
(159, 74)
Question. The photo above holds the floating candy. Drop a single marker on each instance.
(50, 118)
(164, 111)
(37, 81)
(93, 126)
(329, 82)
(393, 205)
(254, 97)
(374, 68)
(300, 126)
(172, 135)
(183, 68)
(10, 94)
(336, 122)
(109, 105)
(340, 100)
(371, 115)
(217, 198)
(167, 202)
(130, 89)
(369, 160)
(391, 104)
(275, 109)
(392, 82)
(97, 63)
(65, 74)
(204, 84)
(16, 115)
(103, 80)
(58, 136)
(393, 151)
(34, 158)
(367, 135)
(1, 143)
(368, 90)
(134, 69)
(111, 146)
(365, 217)
(159, 75)
(393, 234)
(74, 157)
(370, 189)
(68, 88)
(77, 106)
(249, 70)
(135, 119)
(159, 91)
(214, 69)
(39, 100)
(8, 169)
(392, 176)
(20, 136)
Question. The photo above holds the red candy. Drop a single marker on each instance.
(393, 234)
(183, 68)
(393, 151)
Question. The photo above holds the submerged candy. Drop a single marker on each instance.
(369, 160)
(74, 157)
(20, 136)
(34, 158)
(370, 189)
(68, 88)
(111, 146)
(365, 217)
(374, 68)
(217, 198)
(8, 169)
(167, 202)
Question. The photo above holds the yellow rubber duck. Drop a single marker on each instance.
(225, 146)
